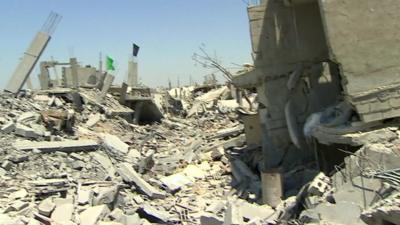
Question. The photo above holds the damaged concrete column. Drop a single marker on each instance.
(132, 73)
(272, 190)
(108, 80)
(74, 72)
(27, 63)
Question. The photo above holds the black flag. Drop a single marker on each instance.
(135, 49)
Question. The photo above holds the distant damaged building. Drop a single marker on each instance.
(322, 68)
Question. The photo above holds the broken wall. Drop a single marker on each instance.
(87, 76)
(363, 38)
(289, 46)
(284, 36)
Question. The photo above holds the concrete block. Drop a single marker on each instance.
(58, 102)
(394, 102)
(19, 205)
(93, 215)
(129, 175)
(372, 117)
(108, 80)
(7, 220)
(93, 119)
(105, 162)
(194, 172)
(62, 213)
(114, 144)
(339, 213)
(117, 215)
(25, 131)
(272, 190)
(176, 181)
(22, 193)
(233, 215)
(8, 127)
(252, 211)
(6, 165)
(319, 185)
(363, 108)
(78, 165)
(106, 195)
(18, 158)
(85, 197)
(133, 220)
(46, 207)
(392, 113)
(379, 106)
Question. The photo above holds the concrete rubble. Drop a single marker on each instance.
(306, 135)
(89, 163)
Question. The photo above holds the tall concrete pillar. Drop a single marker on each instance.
(132, 73)
(74, 72)
(27, 63)
(32, 54)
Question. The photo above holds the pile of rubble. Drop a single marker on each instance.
(364, 190)
(74, 160)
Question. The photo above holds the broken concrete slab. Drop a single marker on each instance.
(93, 119)
(349, 213)
(105, 162)
(22, 193)
(27, 118)
(19, 158)
(117, 215)
(8, 127)
(26, 132)
(18, 205)
(129, 175)
(62, 213)
(46, 207)
(252, 211)
(106, 195)
(6, 165)
(194, 172)
(93, 215)
(33, 221)
(232, 131)
(385, 211)
(114, 144)
(176, 181)
(52, 146)
(156, 215)
(85, 197)
(133, 220)
(7, 220)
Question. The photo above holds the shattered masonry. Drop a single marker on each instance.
(308, 135)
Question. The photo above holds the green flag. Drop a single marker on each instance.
(110, 63)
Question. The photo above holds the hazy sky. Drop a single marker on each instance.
(168, 32)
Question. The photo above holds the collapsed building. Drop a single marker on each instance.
(324, 71)
(318, 143)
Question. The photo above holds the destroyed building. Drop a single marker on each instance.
(322, 75)
(317, 143)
